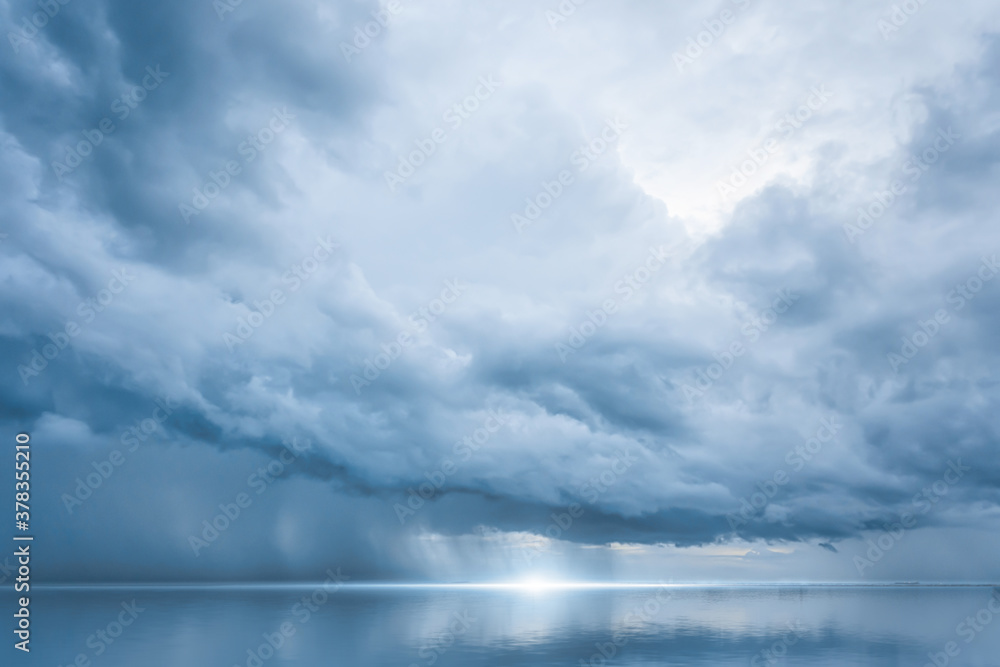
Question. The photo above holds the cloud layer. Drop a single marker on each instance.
(612, 292)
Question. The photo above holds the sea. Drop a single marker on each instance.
(655, 625)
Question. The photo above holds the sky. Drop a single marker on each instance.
(434, 291)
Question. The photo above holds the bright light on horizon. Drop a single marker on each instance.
(539, 584)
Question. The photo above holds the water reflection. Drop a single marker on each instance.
(310, 625)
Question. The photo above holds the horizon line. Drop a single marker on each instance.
(531, 585)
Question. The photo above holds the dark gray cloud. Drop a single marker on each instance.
(709, 342)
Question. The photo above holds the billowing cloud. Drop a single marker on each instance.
(603, 292)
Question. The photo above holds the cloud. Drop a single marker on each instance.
(710, 369)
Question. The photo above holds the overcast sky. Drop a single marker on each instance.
(504, 289)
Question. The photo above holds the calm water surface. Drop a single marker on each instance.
(364, 627)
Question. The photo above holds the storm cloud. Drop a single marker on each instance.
(604, 290)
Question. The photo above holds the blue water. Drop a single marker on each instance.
(364, 627)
